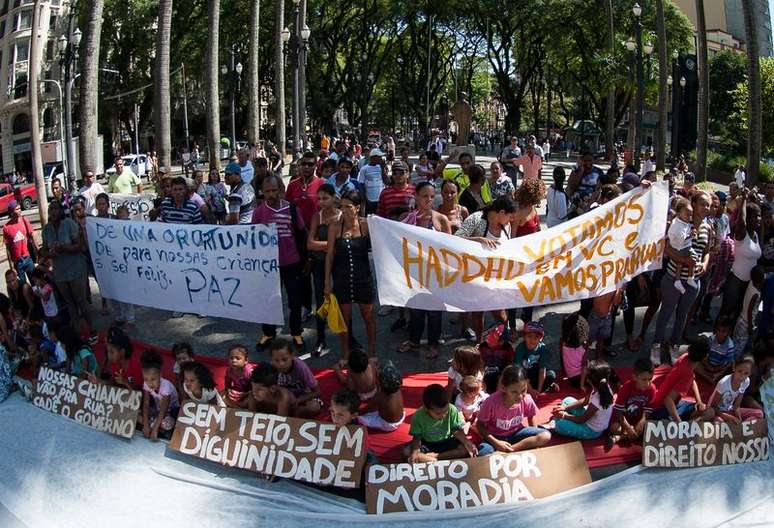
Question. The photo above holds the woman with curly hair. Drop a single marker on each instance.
(525, 222)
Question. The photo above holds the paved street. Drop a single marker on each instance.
(211, 336)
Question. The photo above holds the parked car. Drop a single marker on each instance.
(53, 171)
(25, 195)
(137, 162)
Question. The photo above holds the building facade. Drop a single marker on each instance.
(15, 34)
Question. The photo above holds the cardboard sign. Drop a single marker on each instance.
(588, 256)
(97, 405)
(501, 478)
(222, 271)
(306, 450)
(139, 205)
(695, 444)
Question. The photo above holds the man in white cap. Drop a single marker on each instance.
(374, 178)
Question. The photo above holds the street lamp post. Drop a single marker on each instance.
(637, 10)
(298, 43)
(68, 56)
(236, 81)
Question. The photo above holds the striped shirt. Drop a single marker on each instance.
(394, 202)
(189, 213)
(698, 248)
(241, 200)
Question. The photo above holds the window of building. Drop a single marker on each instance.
(20, 86)
(52, 22)
(50, 45)
(2, 28)
(22, 50)
(21, 124)
(3, 7)
(24, 19)
(48, 117)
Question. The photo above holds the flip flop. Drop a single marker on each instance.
(406, 347)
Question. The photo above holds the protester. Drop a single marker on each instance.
(587, 418)
(178, 208)
(373, 178)
(531, 162)
(215, 194)
(726, 399)
(396, 199)
(508, 154)
(633, 404)
(123, 180)
(237, 382)
(454, 212)
(20, 244)
(498, 184)
(160, 401)
(473, 198)
(556, 203)
(90, 190)
(295, 376)
(747, 251)
(198, 385)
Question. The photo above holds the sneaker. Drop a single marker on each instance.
(679, 286)
(398, 324)
(655, 354)
(320, 349)
(384, 310)
(468, 333)
(674, 353)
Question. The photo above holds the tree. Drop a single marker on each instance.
(663, 93)
(610, 100)
(740, 103)
(279, 76)
(89, 89)
(754, 122)
(703, 95)
(253, 75)
(726, 70)
(34, 109)
(211, 73)
(162, 111)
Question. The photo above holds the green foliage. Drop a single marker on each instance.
(727, 69)
(740, 99)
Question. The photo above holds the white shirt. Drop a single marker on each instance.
(556, 206)
(547, 147)
(247, 172)
(648, 166)
(371, 177)
(742, 323)
(90, 194)
(739, 177)
(679, 234)
(601, 419)
(746, 255)
(727, 394)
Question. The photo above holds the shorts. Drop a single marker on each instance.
(525, 432)
(441, 446)
(684, 410)
(372, 420)
(600, 328)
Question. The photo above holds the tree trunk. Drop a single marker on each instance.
(663, 89)
(32, 90)
(279, 76)
(253, 78)
(162, 114)
(211, 73)
(703, 95)
(610, 102)
(89, 89)
(754, 122)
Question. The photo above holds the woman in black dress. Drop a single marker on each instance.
(347, 262)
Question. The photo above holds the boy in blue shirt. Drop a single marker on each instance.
(722, 352)
(532, 355)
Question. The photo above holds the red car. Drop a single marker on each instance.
(25, 195)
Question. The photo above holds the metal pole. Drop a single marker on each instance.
(295, 45)
(279, 76)
(640, 97)
(137, 132)
(302, 79)
(185, 112)
(233, 110)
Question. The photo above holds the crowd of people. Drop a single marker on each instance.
(718, 244)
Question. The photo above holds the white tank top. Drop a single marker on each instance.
(741, 323)
(746, 255)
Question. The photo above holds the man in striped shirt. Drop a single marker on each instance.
(398, 198)
(177, 208)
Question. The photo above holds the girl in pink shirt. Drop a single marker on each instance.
(238, 377)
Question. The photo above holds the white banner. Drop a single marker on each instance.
(222, 271)
(584, 257)
(139, 205)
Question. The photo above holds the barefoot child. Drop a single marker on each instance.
(237, 377)
(680, 236)
(601, 321)
(160, 403)
(469, 400)
(633, 403)
(345, 404)
(360, 376)
(668, 404)
(501, 418)
(266, 395)
(436, 429)
(183, 352)
(727, 397)
(575, 337)
(198, 385)
(589, 417)
(389, 413)
(532, 355)
(295, 375)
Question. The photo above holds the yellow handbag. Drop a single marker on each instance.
(332, 313)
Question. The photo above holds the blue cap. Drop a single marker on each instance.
(233, 168)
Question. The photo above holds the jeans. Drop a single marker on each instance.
(684, 411)
(525, 432)
(24, 266)
(572, 429)
(533, 373)
(292, 279)
(417, 325)
(318, 279)
(674, 302)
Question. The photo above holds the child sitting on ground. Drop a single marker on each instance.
(238, 376)
(198, 385)
(466, 361)
(532, 355)
(345, 405)
(680, 235)
(668, 403)
(389, 413)
(727, 397)
(589, 417)
(182, 352)
(575, 336)
(633, 403)
(160, 403)
(496, 353)
(80, 358)
(360, 376)
(123, 368)
(722, 352)
(43, 351)
(436, 429)
(297, 377)
(266, 395)
(43, 288)
(469, 400)
(501, 418)
(745, 325)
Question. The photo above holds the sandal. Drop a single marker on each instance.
(432, 352)
(406, 347)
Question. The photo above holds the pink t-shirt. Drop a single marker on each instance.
(573, 360)
(166, 388)
(282, 217)
(239, 387)
(500, 420)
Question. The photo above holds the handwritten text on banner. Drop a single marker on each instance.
(138, 205)
(584, 257)
(222, 271)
